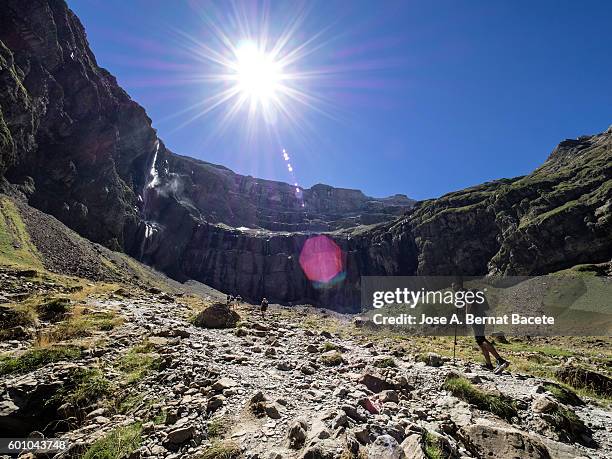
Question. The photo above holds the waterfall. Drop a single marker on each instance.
(152, 181)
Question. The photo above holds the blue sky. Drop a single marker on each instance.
(420, 98)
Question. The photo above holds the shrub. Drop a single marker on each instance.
(386, 362)
(222, 450)
(432, 447)
(465, 390)
(54, 309)
(331, 359)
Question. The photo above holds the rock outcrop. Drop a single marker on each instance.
(81, 150)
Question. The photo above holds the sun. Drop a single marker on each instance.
(258, 77)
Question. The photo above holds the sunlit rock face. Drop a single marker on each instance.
(75, 143)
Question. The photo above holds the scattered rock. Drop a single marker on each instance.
(375, 383)
(297, 433)
(385, 447)
(180, 435)
(433, 360)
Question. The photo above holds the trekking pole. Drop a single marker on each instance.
(455, 344)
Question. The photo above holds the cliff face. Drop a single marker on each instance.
(80, 149)
(556, 217)
(70, 135)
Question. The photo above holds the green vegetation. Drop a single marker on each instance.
(583, 378)
(385, 362)
(117, 444)
(567, 423)
(219, 427)
(54, 309)
(468, 392)
(36, 358)
(433, 450)
(563, 394)
(332, 359)
(16, 248)
(139, 361)
(82, 324)
(12, 317)
(129, 403)
(327, 346)
(84, 387)
(222, 450)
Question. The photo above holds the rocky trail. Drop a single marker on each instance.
(276, 387)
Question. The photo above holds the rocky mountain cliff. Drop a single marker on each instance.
(81, 150)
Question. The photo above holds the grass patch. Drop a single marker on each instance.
(130, 403)
(85, 387)
(222, 450)
(117, 444)
(81, 324)
(386, 362)
(36, 358)
(581, 377)
(53, 310)
(219, 427)
(468, 392)
(327, 346)
(332, 359)
(546, 350)
(139, 361)
(432, 447)
(563, 394)
(16, 248)
(12, 317)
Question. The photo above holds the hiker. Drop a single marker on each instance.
(238, 300)
(264, 306)
(486, 347)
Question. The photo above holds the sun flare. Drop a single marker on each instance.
(258, 76)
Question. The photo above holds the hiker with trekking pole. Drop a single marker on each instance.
(487, 348)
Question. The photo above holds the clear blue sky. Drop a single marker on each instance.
(420, 98)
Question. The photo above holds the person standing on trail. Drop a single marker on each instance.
(479, 310)
(238, 300)
(264, 306)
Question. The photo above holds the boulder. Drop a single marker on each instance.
(222, 384)
(543, 404)
(385, 447)
(388, 396)
(217, 315)
(487, 438)
(432, 359)
(180, 435)
(297, 433)
(214, 403)
(375, 383)
(323, 449)
(413, 447)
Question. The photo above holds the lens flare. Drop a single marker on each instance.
(321, 259)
